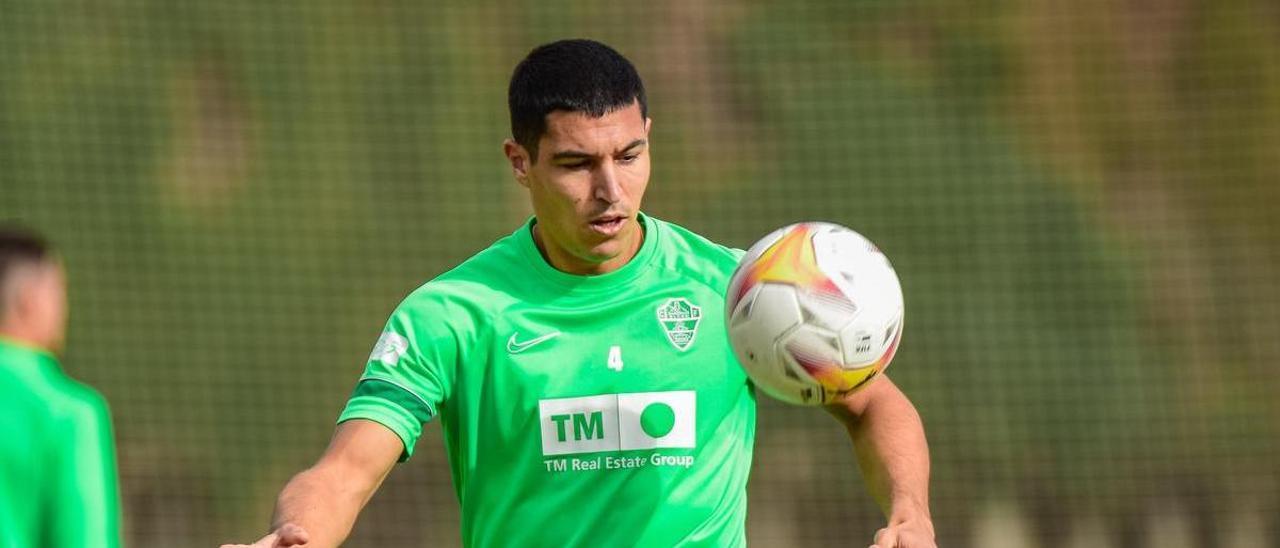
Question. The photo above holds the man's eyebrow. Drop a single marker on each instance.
(580, 155)
(634, 144)
(571, 155)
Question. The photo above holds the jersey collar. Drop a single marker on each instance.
(24, 356)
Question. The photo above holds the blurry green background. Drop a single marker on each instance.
(1080, 198)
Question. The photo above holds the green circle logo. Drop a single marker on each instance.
(657, 419)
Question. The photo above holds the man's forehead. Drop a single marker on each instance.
(567, 130)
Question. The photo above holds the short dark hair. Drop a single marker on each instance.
(19, 247)
(573, 75)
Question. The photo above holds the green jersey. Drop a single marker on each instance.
(577, 410)
(57, 457)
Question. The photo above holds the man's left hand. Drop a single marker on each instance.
(906, 534)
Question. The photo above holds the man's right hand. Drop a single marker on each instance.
(286, 536)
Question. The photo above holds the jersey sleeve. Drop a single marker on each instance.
(84, 505)
(412, 369)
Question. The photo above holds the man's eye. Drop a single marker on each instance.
(576, 165)
(628, 158)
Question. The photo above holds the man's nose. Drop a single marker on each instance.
(607, 187)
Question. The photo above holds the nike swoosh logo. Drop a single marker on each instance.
(515, 347)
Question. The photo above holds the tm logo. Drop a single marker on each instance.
(618, 422)
(584, 427)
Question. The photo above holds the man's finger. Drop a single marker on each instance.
(886, 538)
(291, 535)
(264, 542)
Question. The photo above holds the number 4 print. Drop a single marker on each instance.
(615, 358)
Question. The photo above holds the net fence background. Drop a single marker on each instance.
(1080, 199)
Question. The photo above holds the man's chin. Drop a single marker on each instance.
(611, 245)
(602, 253)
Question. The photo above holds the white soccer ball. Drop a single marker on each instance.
(814, 312)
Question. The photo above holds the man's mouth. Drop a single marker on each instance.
(608, 225)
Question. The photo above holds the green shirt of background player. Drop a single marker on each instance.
(57, 459)
(577, 280)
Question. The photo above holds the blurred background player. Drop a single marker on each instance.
(572, 415)
(58, 483)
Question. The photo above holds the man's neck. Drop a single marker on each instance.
(23, 338)
(563, 261)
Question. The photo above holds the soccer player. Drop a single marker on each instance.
(579, 367)
(57, 458)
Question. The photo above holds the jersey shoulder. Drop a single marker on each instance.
(484, 274)
(74, 402)
(82, 403)
(23, 403)
(694, 255)
(53, 402)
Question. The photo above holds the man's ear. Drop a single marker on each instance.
(520, 160)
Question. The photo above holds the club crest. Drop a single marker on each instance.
(679, 319)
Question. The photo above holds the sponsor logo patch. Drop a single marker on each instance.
(618, 422)
(389, 348)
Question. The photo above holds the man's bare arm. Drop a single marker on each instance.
(318, 507)
(888, 438)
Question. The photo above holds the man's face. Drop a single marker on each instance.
(586, 187)
(38, 309)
